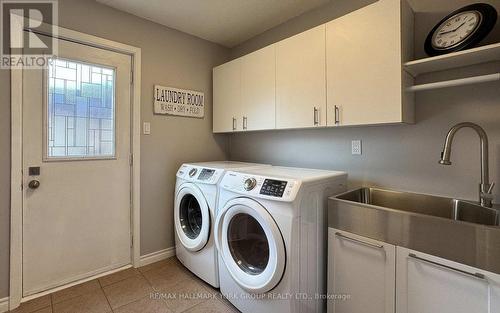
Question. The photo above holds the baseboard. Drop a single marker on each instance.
(4, 304)
(74, 282)
(157, 256)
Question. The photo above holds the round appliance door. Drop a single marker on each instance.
(192, 217)
(250, 244)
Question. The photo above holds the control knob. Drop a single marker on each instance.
(192, 172)
(250, 184)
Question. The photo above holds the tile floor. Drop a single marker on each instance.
(162, 287)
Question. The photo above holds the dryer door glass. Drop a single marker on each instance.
(190, 216)
(248, 244)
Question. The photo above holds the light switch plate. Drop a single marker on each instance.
(146, 128)
(356, 147)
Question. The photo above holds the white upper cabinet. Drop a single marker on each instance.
(346, 72)
(227, 97)
(428, 284)
(362, 268)
(258, 89)
(365, 50)
(300, 80)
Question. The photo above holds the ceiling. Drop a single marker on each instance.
(226, 22)
(231, 22)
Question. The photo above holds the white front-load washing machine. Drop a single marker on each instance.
(196, 192)
(270, 233)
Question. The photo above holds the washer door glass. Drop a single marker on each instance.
(190, 216)
(248, 244)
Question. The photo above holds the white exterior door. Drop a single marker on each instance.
(76, 171)
(363, 269)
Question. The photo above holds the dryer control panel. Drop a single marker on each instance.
(274, 188)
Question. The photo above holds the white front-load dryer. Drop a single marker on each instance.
(196, 193)
(270, 233)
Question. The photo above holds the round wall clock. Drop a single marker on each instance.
(461, 29)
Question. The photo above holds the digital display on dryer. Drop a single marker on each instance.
(206, 174)
(274, 188)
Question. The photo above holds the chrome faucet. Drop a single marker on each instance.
(485, 187)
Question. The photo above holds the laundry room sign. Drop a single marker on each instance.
(181, 102)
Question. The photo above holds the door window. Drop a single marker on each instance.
(190, 216)
(248, 244)
(80, 111)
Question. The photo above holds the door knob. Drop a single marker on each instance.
(34, 184)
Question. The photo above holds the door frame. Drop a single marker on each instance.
(16, 193)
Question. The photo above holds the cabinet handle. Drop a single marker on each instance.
(369, 244)
(337, 115)
(316, 116)
(245, 122)
(234, 123)
(475, 275)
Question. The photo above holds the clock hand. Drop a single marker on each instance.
(459, 26)
(447, 32)
(452, 31)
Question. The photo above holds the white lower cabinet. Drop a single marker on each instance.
(428, 284)
(361, 269)
(379, 277)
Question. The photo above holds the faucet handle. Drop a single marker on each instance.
(490, 189)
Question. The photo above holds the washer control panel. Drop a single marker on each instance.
(206, 174)
(260, 186)
(272, 187)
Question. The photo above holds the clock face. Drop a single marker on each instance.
(456, 29)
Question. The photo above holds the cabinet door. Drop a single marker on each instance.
(428, 284)
(300, 80)
(227, 97)
(364, 66)
(258, 89)
(362, 269)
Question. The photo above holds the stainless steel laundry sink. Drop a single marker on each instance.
(453, 229)
(449, 208)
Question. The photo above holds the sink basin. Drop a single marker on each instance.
(449, 208)
(456, 230)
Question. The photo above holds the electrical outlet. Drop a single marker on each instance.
(356, 147)
(146, 128)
